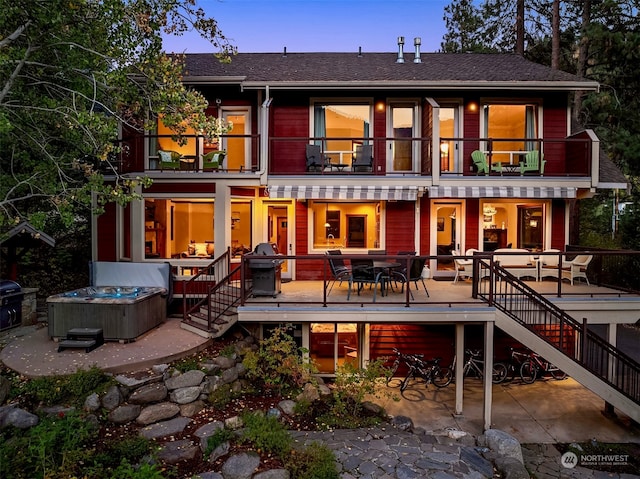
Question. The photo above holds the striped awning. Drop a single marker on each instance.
(502, 192)
(407, 193)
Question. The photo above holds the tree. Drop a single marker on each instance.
(463, 23)
(72, 72)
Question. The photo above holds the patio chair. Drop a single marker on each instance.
(576, 268)
(414, 273)
(363, 158)
(340, 271)
(549, 264)
(213, 160)
(533, 162)
(169, 160)
(363, 272)
(315, 160)
(464, 267)
(482, 164)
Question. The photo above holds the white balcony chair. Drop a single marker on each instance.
(576, 268)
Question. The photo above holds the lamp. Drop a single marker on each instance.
(326, 216)
(489, 210)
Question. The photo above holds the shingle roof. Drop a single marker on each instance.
(609, 173)
(443, 69)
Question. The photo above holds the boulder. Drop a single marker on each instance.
(165, 428)
(112, 398)
(241, 466)
(177, 451)
(124, 413)
(148, 394)
(185, 380)
(503, 444)
(158, 412)
(185, 395)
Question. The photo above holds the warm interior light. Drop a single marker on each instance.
(489, 210)
(473, 106)
(380, 106)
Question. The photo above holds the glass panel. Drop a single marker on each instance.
(345, 225)
(241, 221)
(402, 118)
(503, 122)
(447, 130)
(164, 142)
(279, 230)
(530, 227)
(236, 147)
(333, 344)
(343, 126)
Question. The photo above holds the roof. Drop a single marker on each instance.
(610, 175)
(25, 235)
(379, 70)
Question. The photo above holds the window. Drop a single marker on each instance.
(331, 345)
(531, 227)
(403, 150)
(510, 127)
(340, 225)
(339, 128)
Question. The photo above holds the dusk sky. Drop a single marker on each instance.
(320, 25)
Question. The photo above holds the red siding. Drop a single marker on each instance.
(106, 234)
(472, 223)
(379, 148)
(288, 157)
(471, 123)
(425, 225)
(555, 126)
(181, 188)
(305, 270)
(400, 227)
(557, 224)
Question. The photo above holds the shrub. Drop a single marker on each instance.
(279, 363)
(65, 389)
(222, 396)
(216, 439)
(316, 461)
(266, 433)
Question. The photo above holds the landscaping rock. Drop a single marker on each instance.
(229, 375)
(504, 444)
(241, 466)
(273, 474)
(158, 412)
(177, 451)
(511, 468)
(209, 475)
(16, 417)
(191, 409)
(233, 423)
(166, 428)
(222, 450)
(287, 406)
(92, 403)
(403, 423)
(206, 431)
(224, 362)
(5, 386)
(309, 394)
(112, 398)
(185, 380)
(185, 395)
(148, 394)
(124, 413)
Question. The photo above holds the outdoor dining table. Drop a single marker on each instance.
(386, 267)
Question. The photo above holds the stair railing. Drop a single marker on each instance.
(540, 316)
(196, 290)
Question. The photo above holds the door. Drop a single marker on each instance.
(449, 149)
(402, 152)
(356, 231)
(278, 219)
(333, 344)
(447, 234)
(237, 143)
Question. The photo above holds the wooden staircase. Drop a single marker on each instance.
(221, 310)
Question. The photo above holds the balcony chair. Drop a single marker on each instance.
(576, 268)
(316, 161)
(464, 267)
(169, 160)
(340, 271)
(213, 160)
(363, 158)
(363, 272)
(482, 164)
(533, 162)
(414, 273)
(549, 264)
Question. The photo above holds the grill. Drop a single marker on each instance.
(266, 273)
(11, 297)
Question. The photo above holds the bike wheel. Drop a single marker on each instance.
(392, 372)
(499, 373)
(557, 373)
(528, 372)
(442, 377)
(405, 381)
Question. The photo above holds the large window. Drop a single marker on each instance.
(331, 345)
(339, 128)
(512, 128)
(340, 225)
(183, 228)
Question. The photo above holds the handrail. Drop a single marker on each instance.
(196, 290)
(540, 316)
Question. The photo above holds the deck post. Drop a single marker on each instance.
(487, 379)
(459, 369)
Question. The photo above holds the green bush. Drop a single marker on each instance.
(69, 389)
(316, 461)
(266, 433)
(216, 439)
(279, 364)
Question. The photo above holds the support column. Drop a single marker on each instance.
(488, 367)
(222, 214)
(612, 337)
(459, 376)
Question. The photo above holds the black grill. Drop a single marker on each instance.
(265, 272)
(11, 296)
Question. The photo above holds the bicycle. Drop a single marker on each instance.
(535, 366)
(474, 365)
(399, 359)
(429, 371)
(516, 358)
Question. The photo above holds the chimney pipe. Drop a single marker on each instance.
(359, 51)
(417, 42)
(400, 58)
(284, 54)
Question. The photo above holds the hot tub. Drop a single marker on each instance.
(115, 303)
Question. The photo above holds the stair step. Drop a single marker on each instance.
(87, 344)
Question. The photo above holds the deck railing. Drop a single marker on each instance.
(197, 290)
(573, 338)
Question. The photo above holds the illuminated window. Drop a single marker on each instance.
(340, 225)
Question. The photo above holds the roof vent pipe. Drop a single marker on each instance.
(359, 51)
(417, 42)
(400, 58)
(284, 54)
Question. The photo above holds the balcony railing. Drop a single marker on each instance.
(567, 157)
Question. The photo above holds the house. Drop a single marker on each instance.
(358, 151)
